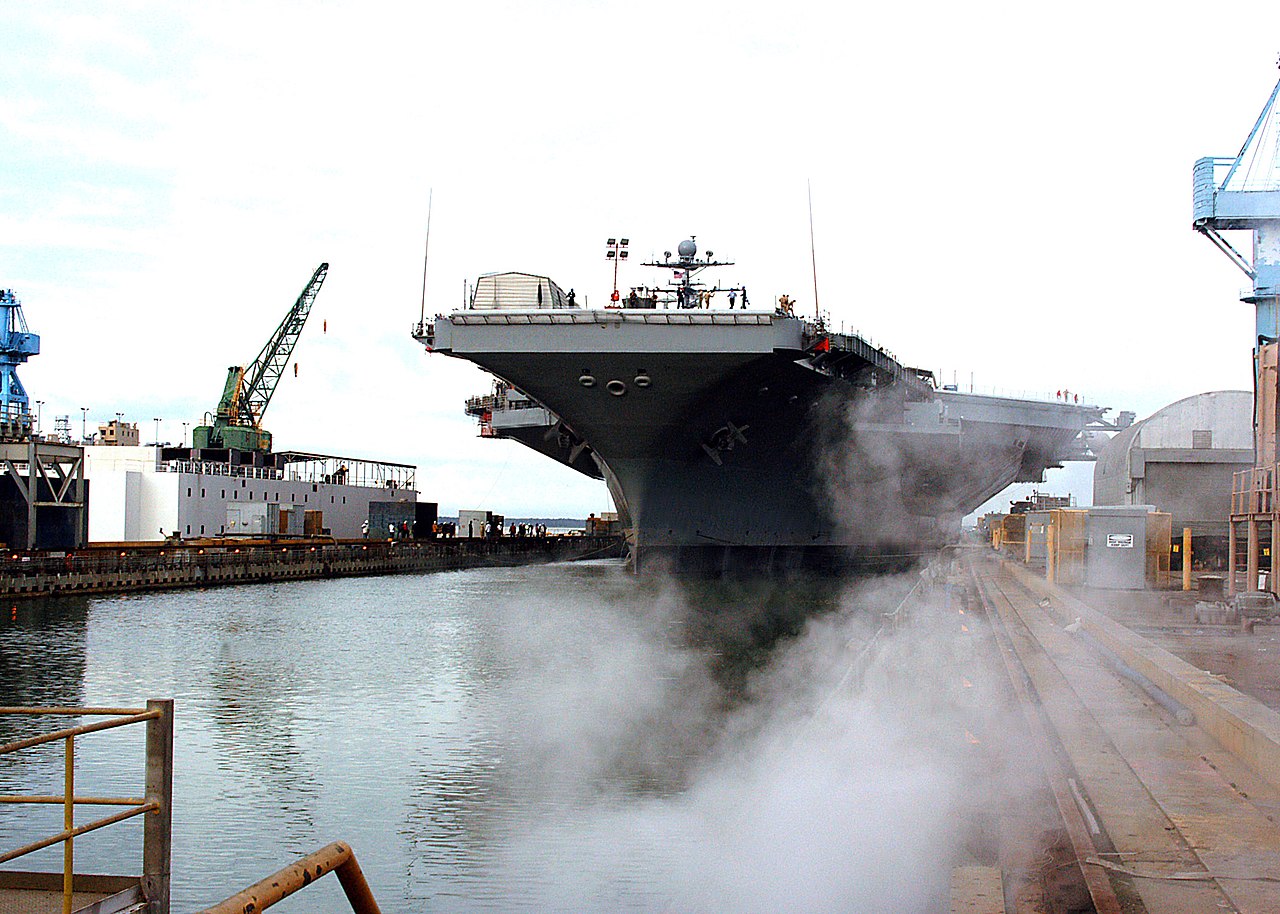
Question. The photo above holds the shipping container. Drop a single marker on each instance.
(1127, 547)
(1068, 544)
(471, 523)
(1037, 542)
(1013, 537)
(391, 519)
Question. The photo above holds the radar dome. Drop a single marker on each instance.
(687, 248)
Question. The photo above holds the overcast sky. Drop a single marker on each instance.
(999, 189)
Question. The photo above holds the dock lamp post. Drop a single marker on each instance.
(616, 250)
(157, 422)
(184, 433)
(84, 423)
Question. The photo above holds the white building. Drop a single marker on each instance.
(135, 495)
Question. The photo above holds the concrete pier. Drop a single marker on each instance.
(123, 567)
(1181, 816)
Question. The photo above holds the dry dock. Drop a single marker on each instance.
(123, 567)
(1165, 779)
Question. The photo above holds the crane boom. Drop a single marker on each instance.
(247, 392)
(261, 377)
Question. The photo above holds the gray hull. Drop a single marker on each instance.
(726, 440)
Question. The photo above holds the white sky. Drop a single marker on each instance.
(999, 188)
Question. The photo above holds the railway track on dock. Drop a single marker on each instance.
(1159, 816)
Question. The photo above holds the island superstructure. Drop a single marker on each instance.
(744, 437)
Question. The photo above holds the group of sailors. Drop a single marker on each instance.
(528, 530)
(395, 532)
(689, 298)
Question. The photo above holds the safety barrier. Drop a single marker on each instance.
(156, 802)
(336, 858)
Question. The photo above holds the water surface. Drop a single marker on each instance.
(559, 737)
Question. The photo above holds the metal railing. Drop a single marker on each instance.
(1253, 491)
(336, 858)
(214, 468)
(157, 800)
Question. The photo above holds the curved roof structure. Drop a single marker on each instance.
(1181, 457)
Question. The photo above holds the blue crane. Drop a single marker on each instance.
(237, 424)
(17, 344)
(1247, 199)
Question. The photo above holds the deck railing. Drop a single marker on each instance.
(155, 804)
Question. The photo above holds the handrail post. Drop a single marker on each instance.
(357, 890)
(68, 823)
(157, 832)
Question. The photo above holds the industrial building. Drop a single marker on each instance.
(150, 493)
(1182, 459)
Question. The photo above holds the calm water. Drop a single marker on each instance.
(544, 738)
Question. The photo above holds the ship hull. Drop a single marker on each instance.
(726, 445)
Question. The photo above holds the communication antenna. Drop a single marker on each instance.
(426, 253)
(813, 255)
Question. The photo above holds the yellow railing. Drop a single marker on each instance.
(336, 857)
(158, 716)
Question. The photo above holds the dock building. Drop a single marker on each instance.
(1182, 458)
(148, 493)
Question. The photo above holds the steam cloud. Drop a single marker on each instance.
(848, 771)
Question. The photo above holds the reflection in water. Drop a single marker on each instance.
(42, 655)
(42, 663)
(545, 738)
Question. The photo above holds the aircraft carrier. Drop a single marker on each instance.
(743, 438)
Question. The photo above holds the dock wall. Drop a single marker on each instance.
(121, 568)
(1241, 724)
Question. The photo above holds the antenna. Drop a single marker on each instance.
(813, 255)
(426, 253)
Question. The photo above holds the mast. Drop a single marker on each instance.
(426, 254)
(813, 255)
(684, 291)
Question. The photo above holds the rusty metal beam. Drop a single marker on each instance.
(336, 857)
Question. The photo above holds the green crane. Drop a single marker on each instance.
(248, 391)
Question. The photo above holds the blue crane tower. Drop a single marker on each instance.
(17, 344)
(1248, 199)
